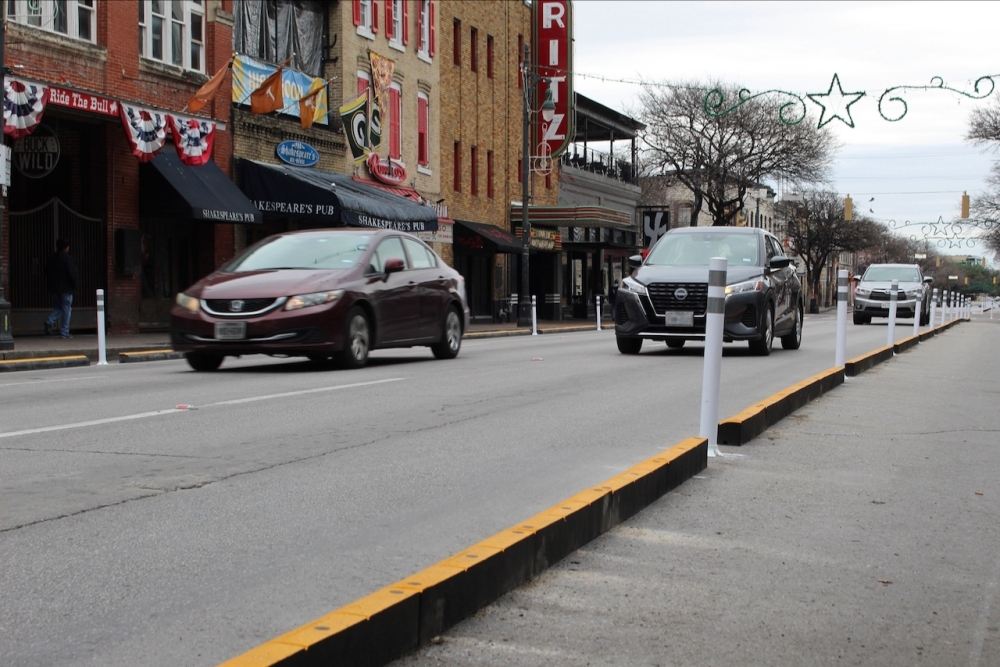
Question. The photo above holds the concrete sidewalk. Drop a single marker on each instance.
(85, 344)
(862, 529)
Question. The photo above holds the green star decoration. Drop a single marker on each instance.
(835, 102)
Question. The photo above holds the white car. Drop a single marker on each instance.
(871, 296)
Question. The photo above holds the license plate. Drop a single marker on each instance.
(230, 330)
(680, 318)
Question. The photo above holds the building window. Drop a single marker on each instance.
(456, 37)
(173, 32)
(365, 13)
(520, 170)
(474, 172)
(425, 28)
(457, 186)
(396, 25)
(72, 18)
(255, 33)
(364, 81)
(474, 50)
(548, 181)
(423, 140)
(489, 174)
(395, 121)
(489, 56)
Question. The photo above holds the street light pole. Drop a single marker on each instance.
(548, 109)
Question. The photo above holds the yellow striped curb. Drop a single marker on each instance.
(41, 363)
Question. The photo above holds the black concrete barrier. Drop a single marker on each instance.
(858, 365)
(43, 363)
(148, 355)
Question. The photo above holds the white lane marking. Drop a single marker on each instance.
(157, 413)
(302, 392)
(85, 377)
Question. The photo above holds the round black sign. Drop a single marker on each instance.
(37, 154)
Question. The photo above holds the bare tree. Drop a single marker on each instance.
(817, 231)
(984, 212)
(719, 157)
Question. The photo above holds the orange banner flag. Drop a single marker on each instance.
(207, 92)
(307, 103)
(268, 96)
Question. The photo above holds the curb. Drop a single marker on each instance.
(504, 333)
(394, 620)
(744, 426)
(858, 365)
(43, 363)
(148, 355)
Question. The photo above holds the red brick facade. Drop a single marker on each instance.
(112, 68)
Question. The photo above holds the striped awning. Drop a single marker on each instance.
(573, 216)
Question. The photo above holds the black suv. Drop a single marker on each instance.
(665, 298)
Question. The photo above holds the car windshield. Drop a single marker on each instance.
(697, 249)
(306, 251)
(904, 274)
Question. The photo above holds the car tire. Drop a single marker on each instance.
(204, 361)
(357, 340)
(451, 337)
(675, 344)
(925, 318)
(629, 345)
(793, 340)
(861, 319)
(762, 346)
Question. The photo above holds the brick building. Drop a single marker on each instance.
(133, 228)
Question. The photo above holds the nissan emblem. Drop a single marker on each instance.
(680, 294)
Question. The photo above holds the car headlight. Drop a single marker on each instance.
(862, 291)
(634, 286)
(188, 303)
(746, 286)
(314, 299)
(913, 293)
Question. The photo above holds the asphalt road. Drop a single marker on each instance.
(150, 515)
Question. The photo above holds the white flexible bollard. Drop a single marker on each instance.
(534, 316)
(945, 302)
(893, 299)
(934, 298)
(840, 356)
(598, 312)
(918, 311)
(712, 370)
(102, 353)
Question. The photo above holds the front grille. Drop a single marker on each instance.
(224, 306)
(879, 296)
(750, 316)
(664, 297)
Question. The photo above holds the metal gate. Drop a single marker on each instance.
(33, 237)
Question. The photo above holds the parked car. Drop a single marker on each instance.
(665, 299)
(325, 293)
(871, 295)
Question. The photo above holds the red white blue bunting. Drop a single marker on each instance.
(146, 130)
(23, 104)
(193, 139)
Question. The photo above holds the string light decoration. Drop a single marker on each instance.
(892, 107)
(940, 233)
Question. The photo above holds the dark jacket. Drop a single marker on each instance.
(60, 273)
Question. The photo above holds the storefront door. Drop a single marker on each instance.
(477, 271)
(169, 265)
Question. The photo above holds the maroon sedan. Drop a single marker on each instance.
(323, 293)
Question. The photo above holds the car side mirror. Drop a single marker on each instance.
(393, 265)
(928, 280)
(779, 262)
(856, 279)
(635, 259)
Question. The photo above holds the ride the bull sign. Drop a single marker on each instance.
(552, 59)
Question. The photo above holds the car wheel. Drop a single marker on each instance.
(357, 343)
(629, 345)
(203, 361)
(925, 318)
(451, 337)
(861, 319)
(762, 346)
(793, 340)
(675, 344)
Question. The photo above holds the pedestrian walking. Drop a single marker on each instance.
(613, 299)
(61, 276)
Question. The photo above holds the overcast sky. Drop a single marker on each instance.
(916, 168)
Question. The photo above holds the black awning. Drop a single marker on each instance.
(202, 193)
(325, 197)
(481, 236)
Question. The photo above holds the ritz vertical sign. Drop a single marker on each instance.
(552, 55)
